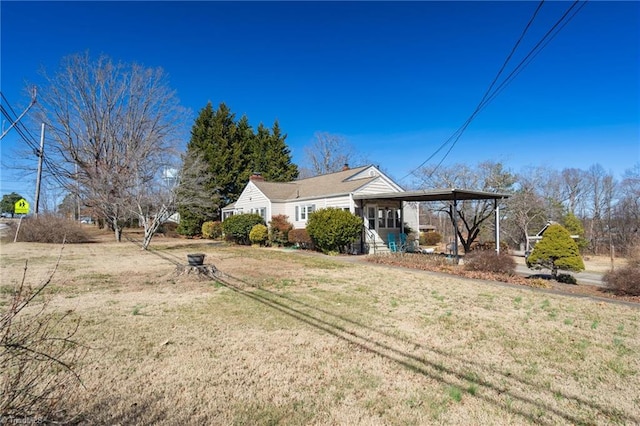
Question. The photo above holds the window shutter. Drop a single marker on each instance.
(297, 213)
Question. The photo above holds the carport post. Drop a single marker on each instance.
(496, 208)
(454, 217)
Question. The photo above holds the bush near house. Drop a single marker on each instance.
(333, 229)
(490, 261)
(556, 250)
(190, 226)
(300, 238)
(431, 238)
(237, 227)
(626, 280)
(279, 228)
(259, 234)
(212, 229)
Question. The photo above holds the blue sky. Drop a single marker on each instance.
(396, 79)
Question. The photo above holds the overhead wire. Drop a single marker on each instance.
(53, 169)
(491, 93)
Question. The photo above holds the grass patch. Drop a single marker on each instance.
(316, 343)
(455, 393)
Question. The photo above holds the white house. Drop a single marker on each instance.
(350, 189)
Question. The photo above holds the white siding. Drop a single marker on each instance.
(279, 208)
(253, 198)
(410, 214)
(377, 186)
(373, 171)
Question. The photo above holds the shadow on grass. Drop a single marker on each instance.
(350, 333)
(421, 365)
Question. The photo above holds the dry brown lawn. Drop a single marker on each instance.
(286, 337)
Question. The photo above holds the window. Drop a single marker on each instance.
(371, 217)
(382, 223)
(388, 218)
(262, 211)
(302, 212)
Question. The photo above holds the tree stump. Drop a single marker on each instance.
(208, 271)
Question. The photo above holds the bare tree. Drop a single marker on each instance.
(486, 176)
(601, 192)
(525, 208)
(329, 153)
(115, 126)
(573, 187)
(160, 199)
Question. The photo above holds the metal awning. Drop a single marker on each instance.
(434, 195)
(453, 194)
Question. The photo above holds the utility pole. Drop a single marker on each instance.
(39, 177)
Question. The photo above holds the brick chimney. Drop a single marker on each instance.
(256, 176)
(345, 167)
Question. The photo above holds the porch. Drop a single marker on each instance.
(377, 211)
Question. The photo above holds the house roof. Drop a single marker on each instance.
(332, 184)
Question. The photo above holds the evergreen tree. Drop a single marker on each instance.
(232, 152)
(574, 226)
(192, 215)
(279, 167)
(556, 250)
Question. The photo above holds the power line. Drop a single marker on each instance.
(489, 94)
(53, 170)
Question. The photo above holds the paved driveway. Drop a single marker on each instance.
(591, 278)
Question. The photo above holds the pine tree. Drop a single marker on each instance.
(198, 177)
(279, 167)
(574, 226)
(556, 250)
(232, 151)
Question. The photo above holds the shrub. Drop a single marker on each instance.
(301, 238)
(566, 279)
(626, 279)
(168, 229)
(490, 261)
(190, 226)
(212, 229)
(556, 250)
(52, 229)
(39, 357)
(538, 283)
(430, 238)
(259, 234)
(279, 228)
(333, 229)
(237, 227)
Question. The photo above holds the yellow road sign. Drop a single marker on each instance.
(21, 207)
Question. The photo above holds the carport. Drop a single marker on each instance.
(452, 195)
